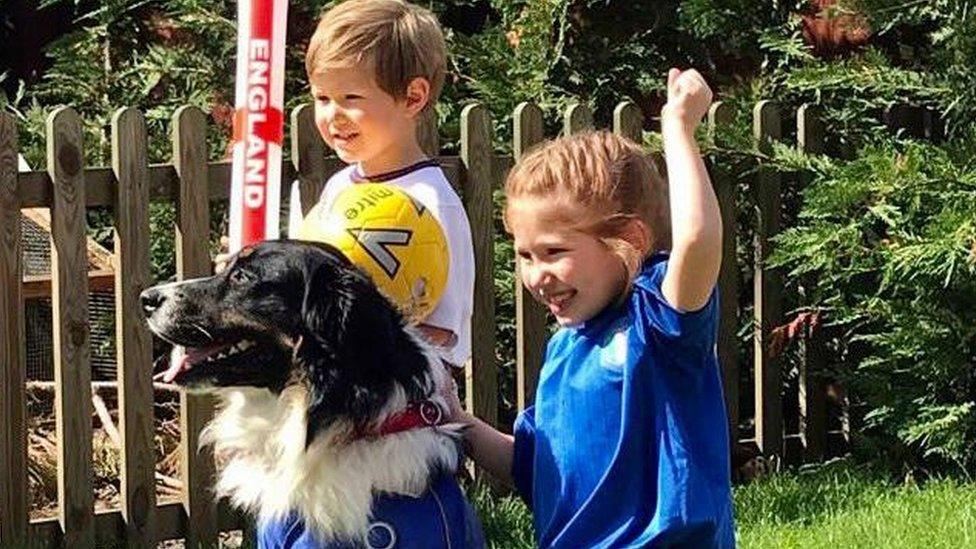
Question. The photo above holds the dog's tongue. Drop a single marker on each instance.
(176, 357)
(181, 358)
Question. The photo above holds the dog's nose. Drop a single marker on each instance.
(151, 300)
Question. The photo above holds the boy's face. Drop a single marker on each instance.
(361, 122)
(571, 272)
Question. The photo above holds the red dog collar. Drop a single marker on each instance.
(423, 413)
(418, 414)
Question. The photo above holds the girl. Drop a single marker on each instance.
(627, 444)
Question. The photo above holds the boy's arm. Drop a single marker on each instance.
(444, 325)
(696, 224)
(437, 336)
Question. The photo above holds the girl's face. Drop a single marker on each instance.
(571, 272)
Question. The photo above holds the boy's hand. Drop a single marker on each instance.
(222, 258)
(688, 100)
(438, 337)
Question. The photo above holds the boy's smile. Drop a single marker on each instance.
(572, 272)
(362, 122)
(343, 140)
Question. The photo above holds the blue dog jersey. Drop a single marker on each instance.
(440, 518)
(627, 443)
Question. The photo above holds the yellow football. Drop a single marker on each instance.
(392, 237)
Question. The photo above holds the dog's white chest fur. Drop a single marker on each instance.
(331, 485)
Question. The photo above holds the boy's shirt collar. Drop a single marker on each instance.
(358, 176)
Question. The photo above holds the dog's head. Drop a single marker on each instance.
(288, 312)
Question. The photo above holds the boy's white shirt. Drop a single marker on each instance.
(429, 186)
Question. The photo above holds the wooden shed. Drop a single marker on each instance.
(36, 244)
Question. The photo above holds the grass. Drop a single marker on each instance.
(840, 506)
(507, 522)
(832, 506)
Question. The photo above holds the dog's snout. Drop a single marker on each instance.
(151, 300)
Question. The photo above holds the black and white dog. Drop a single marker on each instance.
(330, 422)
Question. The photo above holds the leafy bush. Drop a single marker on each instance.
(889, 238)
(883, 239)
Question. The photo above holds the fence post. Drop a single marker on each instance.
(13, 429)
(530, 316)
(477, 155)
(720, 114)
(768, 287)
(934, 126)
(133, 341)
(577, 118)
(192, 261)
(628, 121)
(907, 120)
(72, 355)
(427, 133)
(810, 136)
(307, 156)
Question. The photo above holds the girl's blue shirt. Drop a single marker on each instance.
(627, 444)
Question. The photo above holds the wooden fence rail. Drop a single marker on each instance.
(813, 365)
(767, 286)
(133, 341)
(530, 325)
(72, 354)
(67, 187)
(193, 261)
(13, 360)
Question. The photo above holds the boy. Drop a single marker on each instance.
(376, 67)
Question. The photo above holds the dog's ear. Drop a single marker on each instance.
(355, 349)
(325, 305)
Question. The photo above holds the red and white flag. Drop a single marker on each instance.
(258, 121)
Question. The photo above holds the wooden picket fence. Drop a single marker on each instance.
(67, 187)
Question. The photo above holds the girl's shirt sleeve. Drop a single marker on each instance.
(685, 329)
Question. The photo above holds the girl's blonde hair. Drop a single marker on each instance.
(608, 177)
(396, 40)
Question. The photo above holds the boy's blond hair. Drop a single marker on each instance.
(398, 41)
(608, 177)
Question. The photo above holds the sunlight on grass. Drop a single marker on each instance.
(834, 506)
(839, 507)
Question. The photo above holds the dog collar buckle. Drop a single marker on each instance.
(418, 414)
(430, 413)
